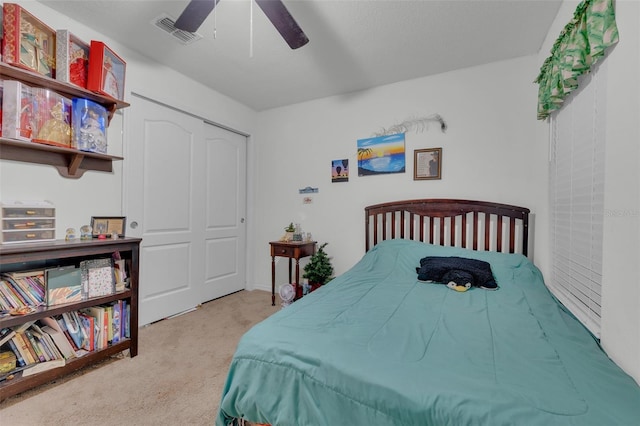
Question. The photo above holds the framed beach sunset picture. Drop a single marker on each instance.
(381, 155)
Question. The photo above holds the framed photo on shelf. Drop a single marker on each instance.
(27, 42)
(72, 59)
(106, 71)
(108, 226)
(427, 164)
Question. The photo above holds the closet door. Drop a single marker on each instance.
(165, 204)
(225, 228)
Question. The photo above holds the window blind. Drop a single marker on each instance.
(577, 200)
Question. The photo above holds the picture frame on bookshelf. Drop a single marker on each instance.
(107, 226)
(106, 71)
(28, 43)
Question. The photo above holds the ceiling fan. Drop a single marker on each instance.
(197, 11)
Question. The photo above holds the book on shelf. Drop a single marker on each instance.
(12, 291)
(117, 322)
(52, 328)
(26, 288)
(6, 334)
(63, 327)
(46, 343)
(32, 351)
(10, 298)
(126, 318)
(64, 285)
(23, 349)
(35, 349)
(101, 325)
(87, 322)
(98, 277)
(43, 366)
(6, 303)
(77, 332)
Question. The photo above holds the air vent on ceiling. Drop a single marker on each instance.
(167, 24)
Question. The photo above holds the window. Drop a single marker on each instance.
(577, 199)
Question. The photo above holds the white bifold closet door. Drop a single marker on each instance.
(184, 190)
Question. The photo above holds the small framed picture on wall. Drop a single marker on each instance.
(427, 164)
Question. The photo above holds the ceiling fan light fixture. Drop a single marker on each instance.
(197, 11)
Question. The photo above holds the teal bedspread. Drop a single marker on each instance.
(377, 347)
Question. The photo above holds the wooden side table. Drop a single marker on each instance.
(293, 250)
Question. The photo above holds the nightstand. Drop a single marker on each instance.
(293, 250)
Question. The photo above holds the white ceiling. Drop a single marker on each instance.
(354, 44)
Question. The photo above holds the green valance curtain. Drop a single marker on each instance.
(581, 44)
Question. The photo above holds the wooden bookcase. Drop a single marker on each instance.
(30, 256)
(70, 163)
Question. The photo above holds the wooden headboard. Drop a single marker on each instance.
(477, 225)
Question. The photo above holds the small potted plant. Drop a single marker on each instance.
(289, 230)
(319, 269)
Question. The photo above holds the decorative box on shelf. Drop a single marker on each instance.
(18, 118)
(106, 71)
(27, 221)
(36, 114)
(72, 59)
(1, 93)
(52, 118)
(27, 42)
(89, 126)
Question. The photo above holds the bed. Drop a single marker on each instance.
(377, 346)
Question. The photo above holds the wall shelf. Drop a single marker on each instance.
(8, 72)
(71, 163)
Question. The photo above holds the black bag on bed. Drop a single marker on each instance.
(456, 269)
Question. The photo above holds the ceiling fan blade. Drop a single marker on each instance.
(284, 22)
(194, 15)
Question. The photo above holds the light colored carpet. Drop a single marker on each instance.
(176, 379)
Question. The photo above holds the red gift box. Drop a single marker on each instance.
(27, 42)
(106, 71)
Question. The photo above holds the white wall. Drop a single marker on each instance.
(621, 266)
(99, 193)
(620, 333)
(490, 152)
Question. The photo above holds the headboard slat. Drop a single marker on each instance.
(475, 229)
(499, 231)
(512, 232)
(463, 230)
(441, 218)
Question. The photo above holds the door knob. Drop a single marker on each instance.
(133, 224)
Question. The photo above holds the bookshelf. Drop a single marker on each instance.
(70, 163)
(28, 256)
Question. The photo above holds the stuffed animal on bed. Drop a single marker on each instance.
(457, 272)
(457, 279)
